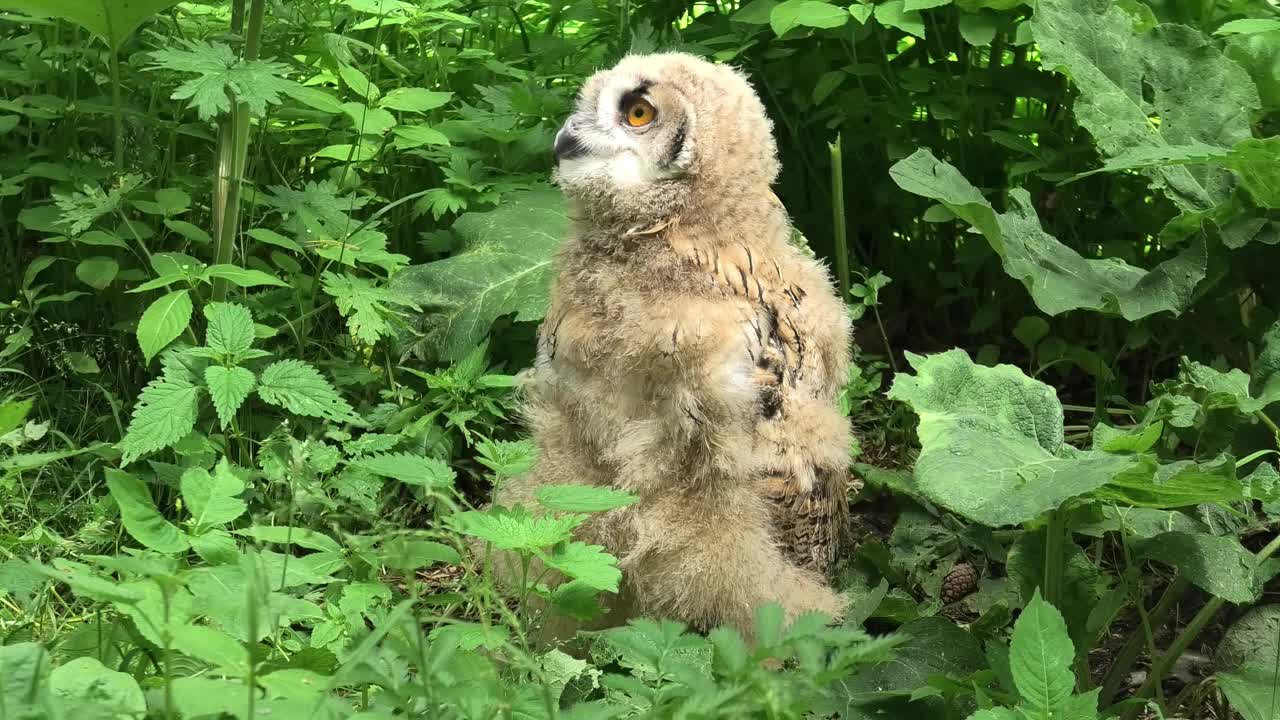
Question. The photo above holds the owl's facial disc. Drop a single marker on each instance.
(627, 133)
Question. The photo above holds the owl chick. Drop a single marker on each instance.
(690, 354)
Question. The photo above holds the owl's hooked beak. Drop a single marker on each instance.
(567, 145)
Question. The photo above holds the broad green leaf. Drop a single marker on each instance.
(1216, 388)
(1254, 638)
(85, 685)
(927, 647)
(139, 514)
(358, 83)
(910, 5)
(412, 99)
(410, 469)
(194, 233)
(1259, 55)
(1040, 657)
(271, 237)
(504, 268)
(515, 529)
(212, 646)
(1217, 564)
(228, 388)
(1058, 278)
(408, 555)
(112, 20)
(230, 330)
(220, 76)
(364, 305)
(243, 277)
(1265, 380)
(979, 28)
(165, 413)
(1253, 690)
(1256, 161)
(1111, 64)
(583, 498)
(285, 535)
(894, 14)
(199, 696)
(1176, 485)
(97, 272)
(12, 414)
(301, 389)
(412, 136)
(369, 121)
(345, 152)
(213, 498)
(24, 676)
(806, 13)
(589, 564)
(470, 636)
(215, 546)
(163, 321)
(992, 441)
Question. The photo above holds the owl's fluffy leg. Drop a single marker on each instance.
(715, 564)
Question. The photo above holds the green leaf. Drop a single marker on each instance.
(410, 469)
(212, 499)
(139, 514)
(1256, 161)
(413, 136)
(165, 413)
(364, 305)
(895, 14)
(979, 28)
(300, 389)
(97, 272)
(1254, 638)
(199, 696)
(927, 647)
(408, 555)
(1217, 564)
(583, 498)
(345, 152)
(358, 83)
(284, 535)
(24, 672)
(86, 685)
(991, 441)
(243, 277)
(215, 546)
(213, 647)
(1110, 63)
(1253, 690)
(412, 99)
(194, 233)
(1058, 278)
(515, 529)
(806, 13)
(271, 237)
(910, 5)
(228, 388)
(112, 20)
(505, 268)
(221, 76)
(230, 330)
(588, 564)
(163, 321)
(12, 413)
(1040, 657)
(1247, 26)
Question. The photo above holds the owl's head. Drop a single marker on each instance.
(661, 135)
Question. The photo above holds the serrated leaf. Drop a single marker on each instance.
(212, 499)
(113, 21)
(139, 514)
(364, 305)
(410, 469)
(1217, 564)
(514, 529)
(97, 272)
(228, 388)
(583, 498)
(301, 389)
(163, 321)
(991, 441)
(588, 564)
(1057, 277)
(230, 330)
(221, 76)
(243, 277)
(505, 268)
(1198, 95)
(165, 413)
(412, 99)
(1040, 657)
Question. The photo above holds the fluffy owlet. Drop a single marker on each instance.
(690, 354)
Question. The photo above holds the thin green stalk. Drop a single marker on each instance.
(117, 111)
(1124, 660)
(1161, 665)
(838, 218)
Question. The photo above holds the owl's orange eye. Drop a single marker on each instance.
(639, 112)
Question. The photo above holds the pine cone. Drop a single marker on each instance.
(961, 581)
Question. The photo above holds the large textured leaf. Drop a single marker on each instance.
(228, 388)
(363, 304)
(505, 268)
(992, 441)
(589, 564)
(162, 321)
(1253, 690)
(165, 413)
(84, 684)
(230, 329)
(409, 469)
(113, 20)
(515, 529)
(213, 498)
(1196, 94)
(1058, 278)
(141, 518)
(221, 75)
(301, 389)
(1040, 657)
(1217, 564)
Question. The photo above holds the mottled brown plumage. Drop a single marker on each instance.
(690, 354)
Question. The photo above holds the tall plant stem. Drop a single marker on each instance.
(232, 152)
(1161, 665)
(838, 220)
(117, 111)
(1054, 538)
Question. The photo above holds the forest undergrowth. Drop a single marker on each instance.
(272, 270)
